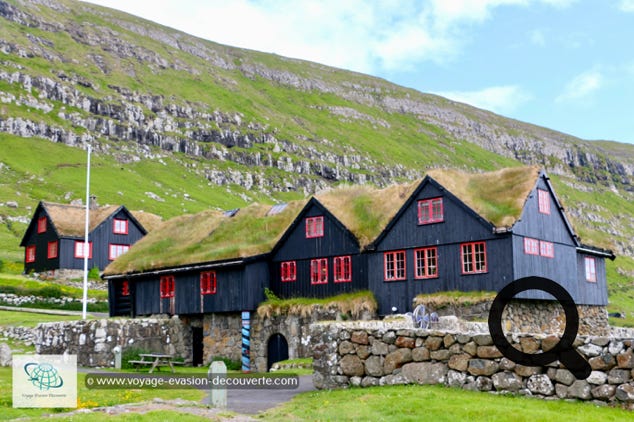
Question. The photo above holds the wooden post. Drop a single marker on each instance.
(217, 395)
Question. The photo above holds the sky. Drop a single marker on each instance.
(564, 64)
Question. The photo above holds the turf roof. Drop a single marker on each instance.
(212, 236)
(69, 220)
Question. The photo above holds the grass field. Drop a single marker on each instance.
(29, 319)
(434, 403)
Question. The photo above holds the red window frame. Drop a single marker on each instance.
(590, 265)
(208, 283)
(319, 271)
(531, 246)
(125, 288)
(431, 211)
(119, 226)
(52, 249)
(343, 269)
(167, 286)
(41, 225)
(29, 254)
(314, 227)
(473, 257)
(80, 249)
(426, 263)
(546, 249)
(116, 250)
(543, 201)
(394, 266)
(288, 271)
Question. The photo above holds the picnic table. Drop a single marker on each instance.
(155, 360)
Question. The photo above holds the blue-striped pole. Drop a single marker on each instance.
(246, 342)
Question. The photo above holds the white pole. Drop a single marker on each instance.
(86, 244)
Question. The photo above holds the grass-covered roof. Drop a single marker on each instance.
(364, 210)
(69, 220)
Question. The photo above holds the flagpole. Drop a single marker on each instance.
(86, 247)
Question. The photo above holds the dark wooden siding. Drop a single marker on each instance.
(400, 293)
(119, 304)
(302, 287)
(551, 227)
(591, 293)
(562, 268)
(238, 288)
(294, 246)
(103, 235)
(460, 225)
(40, 240)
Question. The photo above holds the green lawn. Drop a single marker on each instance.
(435, 403)
(30, 319)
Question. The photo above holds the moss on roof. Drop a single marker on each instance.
(365, 211)
(69, 220)
(207, 236)
(498, 196)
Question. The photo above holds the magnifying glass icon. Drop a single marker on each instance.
(563, 351)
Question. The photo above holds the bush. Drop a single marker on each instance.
(131, 353)
(232, 365)
(93, 274)
(50, 291)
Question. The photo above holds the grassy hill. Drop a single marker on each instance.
(179, 125)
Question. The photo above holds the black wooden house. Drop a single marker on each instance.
(54, 239)
(439, 242)
(449, 232)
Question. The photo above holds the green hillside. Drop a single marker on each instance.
(179, 125)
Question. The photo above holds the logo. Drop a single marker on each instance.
(45, 381)
(563, 351)
(43, 375)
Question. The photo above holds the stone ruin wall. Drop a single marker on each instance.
(387, 353)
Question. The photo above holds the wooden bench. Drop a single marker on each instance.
(153, 360)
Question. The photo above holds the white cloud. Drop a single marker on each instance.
(626, 5)
(581, 86)
(499, 99)
(537, 37)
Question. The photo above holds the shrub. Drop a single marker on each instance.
(131, 353)
(50, 291)
(232, 365)
(93, 274)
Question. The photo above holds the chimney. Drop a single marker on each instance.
(93, 202)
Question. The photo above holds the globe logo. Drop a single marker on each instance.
(43, 375)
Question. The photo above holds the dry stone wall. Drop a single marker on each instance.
(379, 353)
(93, 341)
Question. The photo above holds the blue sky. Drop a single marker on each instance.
(564, 64)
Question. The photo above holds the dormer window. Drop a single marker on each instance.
(430, 211)
(41, 225)
(543, 200)
(120, 226)
(314, 227)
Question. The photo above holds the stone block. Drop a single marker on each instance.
(618, 376)
(351, 366)
(527, 371)
(378, 347)
(374, 366)
(488, 352)
(540, 384)
(603, 362)
(603, 392)
(564, 376)
(433, 343)
(459, 362)
(506, 381)
(359, 337)
(482, 367)
(420, 354)
(471, 348)
(579, 389)
(369, 381)
(484, 384)
(529, 344)
(442, 354)
(625, 360)
(625, 392)
(549, 342)
(456, 378)
(597, 378)
(448, 340)
(345, 348)
(425, 372)
(407, 342)
(363, 351)
(483, 339)
(396, 359)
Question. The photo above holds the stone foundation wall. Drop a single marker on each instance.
(93, 341)
(222, 336)
(379, 353)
